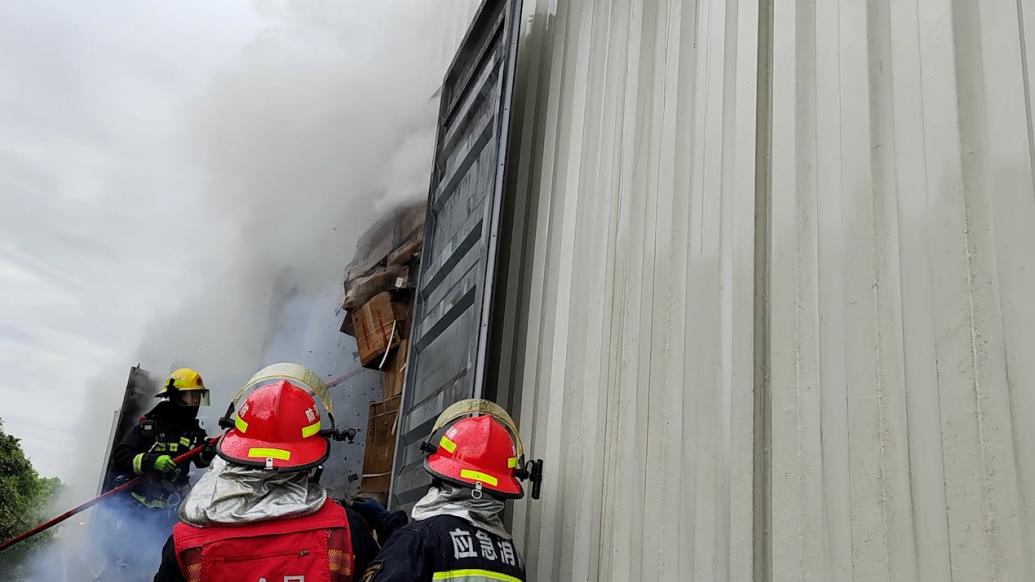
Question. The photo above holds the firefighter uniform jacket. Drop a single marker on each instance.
(445, 547)
(166, 430)
(332, 544)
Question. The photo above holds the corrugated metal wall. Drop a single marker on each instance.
(774, 323)
(901, 291)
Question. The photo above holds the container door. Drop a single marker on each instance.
(449, 337)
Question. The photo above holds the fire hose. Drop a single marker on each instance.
(88, 504)
(342, 434)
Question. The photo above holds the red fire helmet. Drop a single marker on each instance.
(477, 450)
(277, 427)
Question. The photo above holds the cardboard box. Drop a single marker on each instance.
(347, 327)
(379, 328)
(403, 305)
(380, 442)
(387, 235)
(406, 252)
(393, 375)
(362, 289)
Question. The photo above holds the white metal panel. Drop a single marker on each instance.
(635, 363)
(901, 250)
(895, 275)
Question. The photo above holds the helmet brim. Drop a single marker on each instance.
(167, 393)
(451, 470)
(237, 448)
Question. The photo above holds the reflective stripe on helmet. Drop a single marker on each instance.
(269, 453)
(473, 575)
(447, 444)
(240, 425)
(512, 462)
(138, 464)
(308, 431)
(479, 476)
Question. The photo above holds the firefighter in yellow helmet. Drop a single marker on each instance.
(170, 429)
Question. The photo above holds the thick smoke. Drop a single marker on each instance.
(324, 121)
(302, 141)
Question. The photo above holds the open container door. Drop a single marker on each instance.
(449, 338)
(138, 398)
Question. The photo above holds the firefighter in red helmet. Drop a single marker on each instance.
(457, 532)
(260, 513)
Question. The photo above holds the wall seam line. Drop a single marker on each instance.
(762, 430)
(1027, 82)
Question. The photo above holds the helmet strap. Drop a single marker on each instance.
(226, 421)
(534, 470)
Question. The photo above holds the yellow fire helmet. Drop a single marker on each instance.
(184, 380)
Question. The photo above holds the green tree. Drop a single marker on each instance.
(23, 493)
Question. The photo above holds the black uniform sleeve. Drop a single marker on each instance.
(364, 548)
(204, 458)
(389, 523)
(406, 557)
(132, 445)
(169, 571)
(382, 522)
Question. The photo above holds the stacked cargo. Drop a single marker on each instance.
(378, 300)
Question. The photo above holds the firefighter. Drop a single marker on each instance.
(148, 513)
(457, 531)
(169, 429)
(260, 512)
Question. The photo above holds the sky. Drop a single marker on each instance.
(165, 167)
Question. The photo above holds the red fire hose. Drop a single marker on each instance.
(129, 484)
(87, 505)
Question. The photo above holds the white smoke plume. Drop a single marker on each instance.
(322, 122)
(299, 140)
(325, 120)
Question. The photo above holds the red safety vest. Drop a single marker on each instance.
(311, 548)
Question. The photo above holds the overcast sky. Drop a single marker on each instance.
(142, 143)
(96, 191)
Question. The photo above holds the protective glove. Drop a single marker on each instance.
(368, 509)
(164, 463)
(208, 453)
(383, 522)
